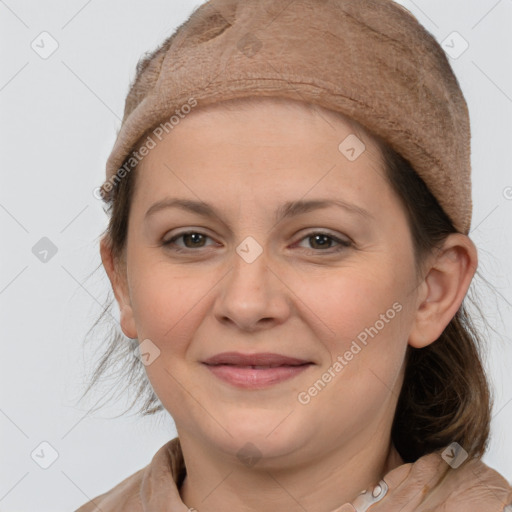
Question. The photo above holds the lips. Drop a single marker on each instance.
(261, 360)
(255, 371)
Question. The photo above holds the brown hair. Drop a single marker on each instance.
(445, 395)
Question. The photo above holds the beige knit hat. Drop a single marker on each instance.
(368, 59)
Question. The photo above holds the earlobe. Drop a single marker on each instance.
(445, 285)
(118, 281)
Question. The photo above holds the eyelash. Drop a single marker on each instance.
(343, 244)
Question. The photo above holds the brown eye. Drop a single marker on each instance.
(320, 241)
(191, 240)
(323, 241)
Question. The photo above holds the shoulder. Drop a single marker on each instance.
(125, 496)
(477, 486)
(433, 484)
(154, 482)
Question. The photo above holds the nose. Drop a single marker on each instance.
(252, 296)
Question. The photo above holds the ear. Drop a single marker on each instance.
(448, 275)
(116, 272)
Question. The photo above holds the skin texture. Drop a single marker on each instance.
(298, 298)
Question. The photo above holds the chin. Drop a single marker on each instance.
(261, 436)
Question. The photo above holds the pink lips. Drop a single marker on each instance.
(255, 370)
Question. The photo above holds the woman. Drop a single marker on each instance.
(290, 203)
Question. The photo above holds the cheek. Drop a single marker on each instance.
(168, 303)
(350, 300)
(362, 379)
(165, 300)
(365, 319)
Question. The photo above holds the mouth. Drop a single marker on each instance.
(263, 359)
(255, 371)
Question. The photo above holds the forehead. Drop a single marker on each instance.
(269, 122)
(260, 109)
(262, 145)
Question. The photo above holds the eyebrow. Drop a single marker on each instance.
(287, 210)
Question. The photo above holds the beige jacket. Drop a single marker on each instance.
(428, 485)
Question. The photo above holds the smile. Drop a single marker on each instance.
(254, 376)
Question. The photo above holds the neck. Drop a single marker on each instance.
(322, 484)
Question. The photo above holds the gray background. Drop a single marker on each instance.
(59, 117)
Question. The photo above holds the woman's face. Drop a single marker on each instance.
(298, 248)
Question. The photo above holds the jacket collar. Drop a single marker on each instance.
(156, 487)
(162, 479)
